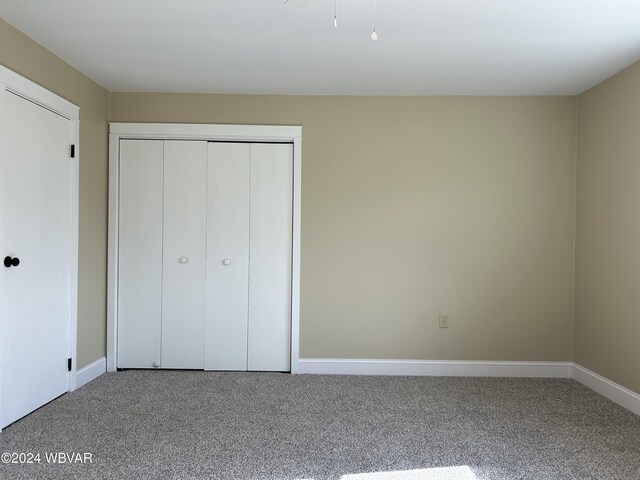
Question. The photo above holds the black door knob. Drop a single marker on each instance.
(8, 261)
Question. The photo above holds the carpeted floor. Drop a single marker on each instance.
(183, 425)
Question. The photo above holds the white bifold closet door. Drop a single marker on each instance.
(228, 256)
(205, 246)
(270, 243)
(183, 261)
(249, 225)
(161, 261)
(140, 253)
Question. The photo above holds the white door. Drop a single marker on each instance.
(184, 246)
(227, 256)
(35, 229)
(249, 250)
(205, 255)
(270, 254)
(140, 253)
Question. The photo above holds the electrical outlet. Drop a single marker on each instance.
(444, 321)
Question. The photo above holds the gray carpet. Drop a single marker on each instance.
(183, 425)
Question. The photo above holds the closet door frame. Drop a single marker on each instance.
(204, 132)
(13, 83)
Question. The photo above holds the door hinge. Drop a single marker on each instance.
(73, 151)
(69, 364)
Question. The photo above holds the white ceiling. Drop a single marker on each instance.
(425, 47)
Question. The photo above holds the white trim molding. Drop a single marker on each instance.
(605, 387)
(90, 372)
(471, 368)
(75, 237)
(202, 131)
(23, 87)
(211, 132)
(436, 368)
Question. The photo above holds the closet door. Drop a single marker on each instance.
(183, 260)
(140, 253)
(227, 256)
(270, 240)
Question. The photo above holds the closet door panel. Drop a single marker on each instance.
(140, 253)
(184, 238)
(271, 182)
(227, 256)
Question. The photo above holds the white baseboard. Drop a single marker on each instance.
(436, 368)
(441, 368)
(614, 392)
(91, 372)
(453, 368)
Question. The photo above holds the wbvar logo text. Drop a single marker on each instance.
(68, 457)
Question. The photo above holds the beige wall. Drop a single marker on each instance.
(24, 56)
(417, 206)
(607, 304)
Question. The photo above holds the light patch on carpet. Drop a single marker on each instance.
(443, 473)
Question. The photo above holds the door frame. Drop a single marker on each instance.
(204, 132)
(13, 83)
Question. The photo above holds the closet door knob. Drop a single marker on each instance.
(8, 261)
(184, 259)
(156, 364)
(226, 261)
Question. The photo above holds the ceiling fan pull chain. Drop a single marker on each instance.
(374, 35)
